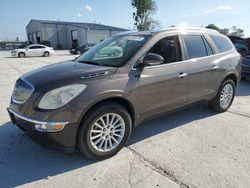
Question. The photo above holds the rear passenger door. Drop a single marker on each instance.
(200, 66)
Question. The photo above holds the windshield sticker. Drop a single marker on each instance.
(135, 38)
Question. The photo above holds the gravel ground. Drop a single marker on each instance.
(190, 148)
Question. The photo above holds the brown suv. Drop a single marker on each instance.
(93, 102)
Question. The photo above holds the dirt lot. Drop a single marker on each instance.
(191, 148)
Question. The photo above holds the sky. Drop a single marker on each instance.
(16, 14)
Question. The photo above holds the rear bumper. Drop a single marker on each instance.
(63, 140)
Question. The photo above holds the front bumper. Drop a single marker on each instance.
(14, 54)
(63, 140)
(245, 71)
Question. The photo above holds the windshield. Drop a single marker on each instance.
(114, 51)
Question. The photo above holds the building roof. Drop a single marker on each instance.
(80, 24)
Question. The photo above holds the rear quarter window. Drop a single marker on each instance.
(222, 43)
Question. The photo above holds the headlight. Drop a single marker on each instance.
(60, 96)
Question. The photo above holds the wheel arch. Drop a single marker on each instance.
(123, 101)
(233, 77)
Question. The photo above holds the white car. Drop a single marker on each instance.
(33, 50)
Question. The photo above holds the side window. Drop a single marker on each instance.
(222, 43)
(168, 48)
(195, 46)
(208, 47)
(40, 47)
(32, 47)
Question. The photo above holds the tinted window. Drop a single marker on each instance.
(38, 47)
(195, 46)
(168, 48)
(208, 47)
(222, 43)
(32, 47)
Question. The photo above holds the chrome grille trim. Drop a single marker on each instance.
(35, 121)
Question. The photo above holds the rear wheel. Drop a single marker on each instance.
(224, 97)
(46, 54)
(21, 54)
(104, 131)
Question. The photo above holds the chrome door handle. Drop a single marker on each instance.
(214, 67)
(182, 75)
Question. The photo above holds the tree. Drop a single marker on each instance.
(143, 14)
(237, 32)
(212, 26)
(17, 39)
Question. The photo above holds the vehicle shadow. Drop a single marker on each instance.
(243, 88)
(170, 121)
(23, 161)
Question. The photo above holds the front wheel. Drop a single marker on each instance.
(104, 131)
(224, 97)
(21, 54)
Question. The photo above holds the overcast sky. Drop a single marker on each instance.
(16, 14)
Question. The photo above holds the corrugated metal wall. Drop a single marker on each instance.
(61, 34)
(95, 36)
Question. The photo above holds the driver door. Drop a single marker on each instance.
(31, 51)
(164, 87)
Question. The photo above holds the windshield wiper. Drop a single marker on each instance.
(91, 63)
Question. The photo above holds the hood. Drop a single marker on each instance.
(67, 72)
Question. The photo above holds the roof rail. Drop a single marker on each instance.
(188, 28)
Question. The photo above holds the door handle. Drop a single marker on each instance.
(214, 67)
(182, 75)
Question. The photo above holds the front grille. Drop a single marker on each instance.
(22, 91)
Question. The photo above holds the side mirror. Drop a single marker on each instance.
(152, 59)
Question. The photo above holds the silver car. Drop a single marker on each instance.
(33, 50)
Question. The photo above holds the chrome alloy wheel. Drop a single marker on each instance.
(107, 132)
(226, 96)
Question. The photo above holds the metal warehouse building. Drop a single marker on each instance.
(65, 34)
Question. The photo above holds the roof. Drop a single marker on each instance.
(80, 24)
(170, 29)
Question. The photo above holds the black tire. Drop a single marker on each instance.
(215, 103)
(21, 54)
(46, 54)
(83, 139)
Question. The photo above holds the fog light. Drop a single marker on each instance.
(49, 127)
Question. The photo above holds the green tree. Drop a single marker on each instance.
(212, 26)
(144, 9)
(237, 32)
